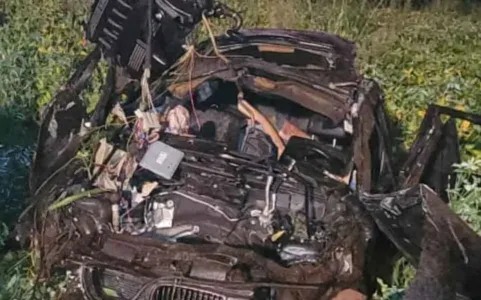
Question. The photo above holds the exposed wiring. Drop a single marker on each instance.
(276, 186)
(144, 83)
(143, 199)
(212, 39)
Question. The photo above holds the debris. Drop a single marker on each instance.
(178, 119)
(148, 187)
(288, 130)
(110, 164)
(254, 115)
(137, 197)
(119, 113)
(148, 120)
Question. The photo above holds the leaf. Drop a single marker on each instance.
(66, 201)
(110, 292)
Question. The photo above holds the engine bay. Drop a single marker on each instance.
(225, 182)
(212, 175)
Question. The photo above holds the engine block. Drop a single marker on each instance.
(225, 197)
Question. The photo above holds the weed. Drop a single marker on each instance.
(17, 280)
(466, 195)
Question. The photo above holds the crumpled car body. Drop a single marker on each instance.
(259, 169)
(221, 194)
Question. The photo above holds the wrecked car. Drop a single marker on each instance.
(253, 165)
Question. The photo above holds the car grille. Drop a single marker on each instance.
(170, 292)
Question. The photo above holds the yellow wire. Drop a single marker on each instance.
(212, 39)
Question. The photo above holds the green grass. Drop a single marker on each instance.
(428, 56)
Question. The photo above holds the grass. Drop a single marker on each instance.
(432, 55)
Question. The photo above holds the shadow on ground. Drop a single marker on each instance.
(17, 139)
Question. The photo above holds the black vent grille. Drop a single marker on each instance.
(173, 292)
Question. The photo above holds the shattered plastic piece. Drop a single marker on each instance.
(178, 119)
(292, 254)
(348, 127)
(289, 129)
(137, 197)
(256, 142)
(162, 159)
(253, 114)
(148, 187)
(149, 120)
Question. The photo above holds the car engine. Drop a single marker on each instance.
(229, 197)
(211, 179)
